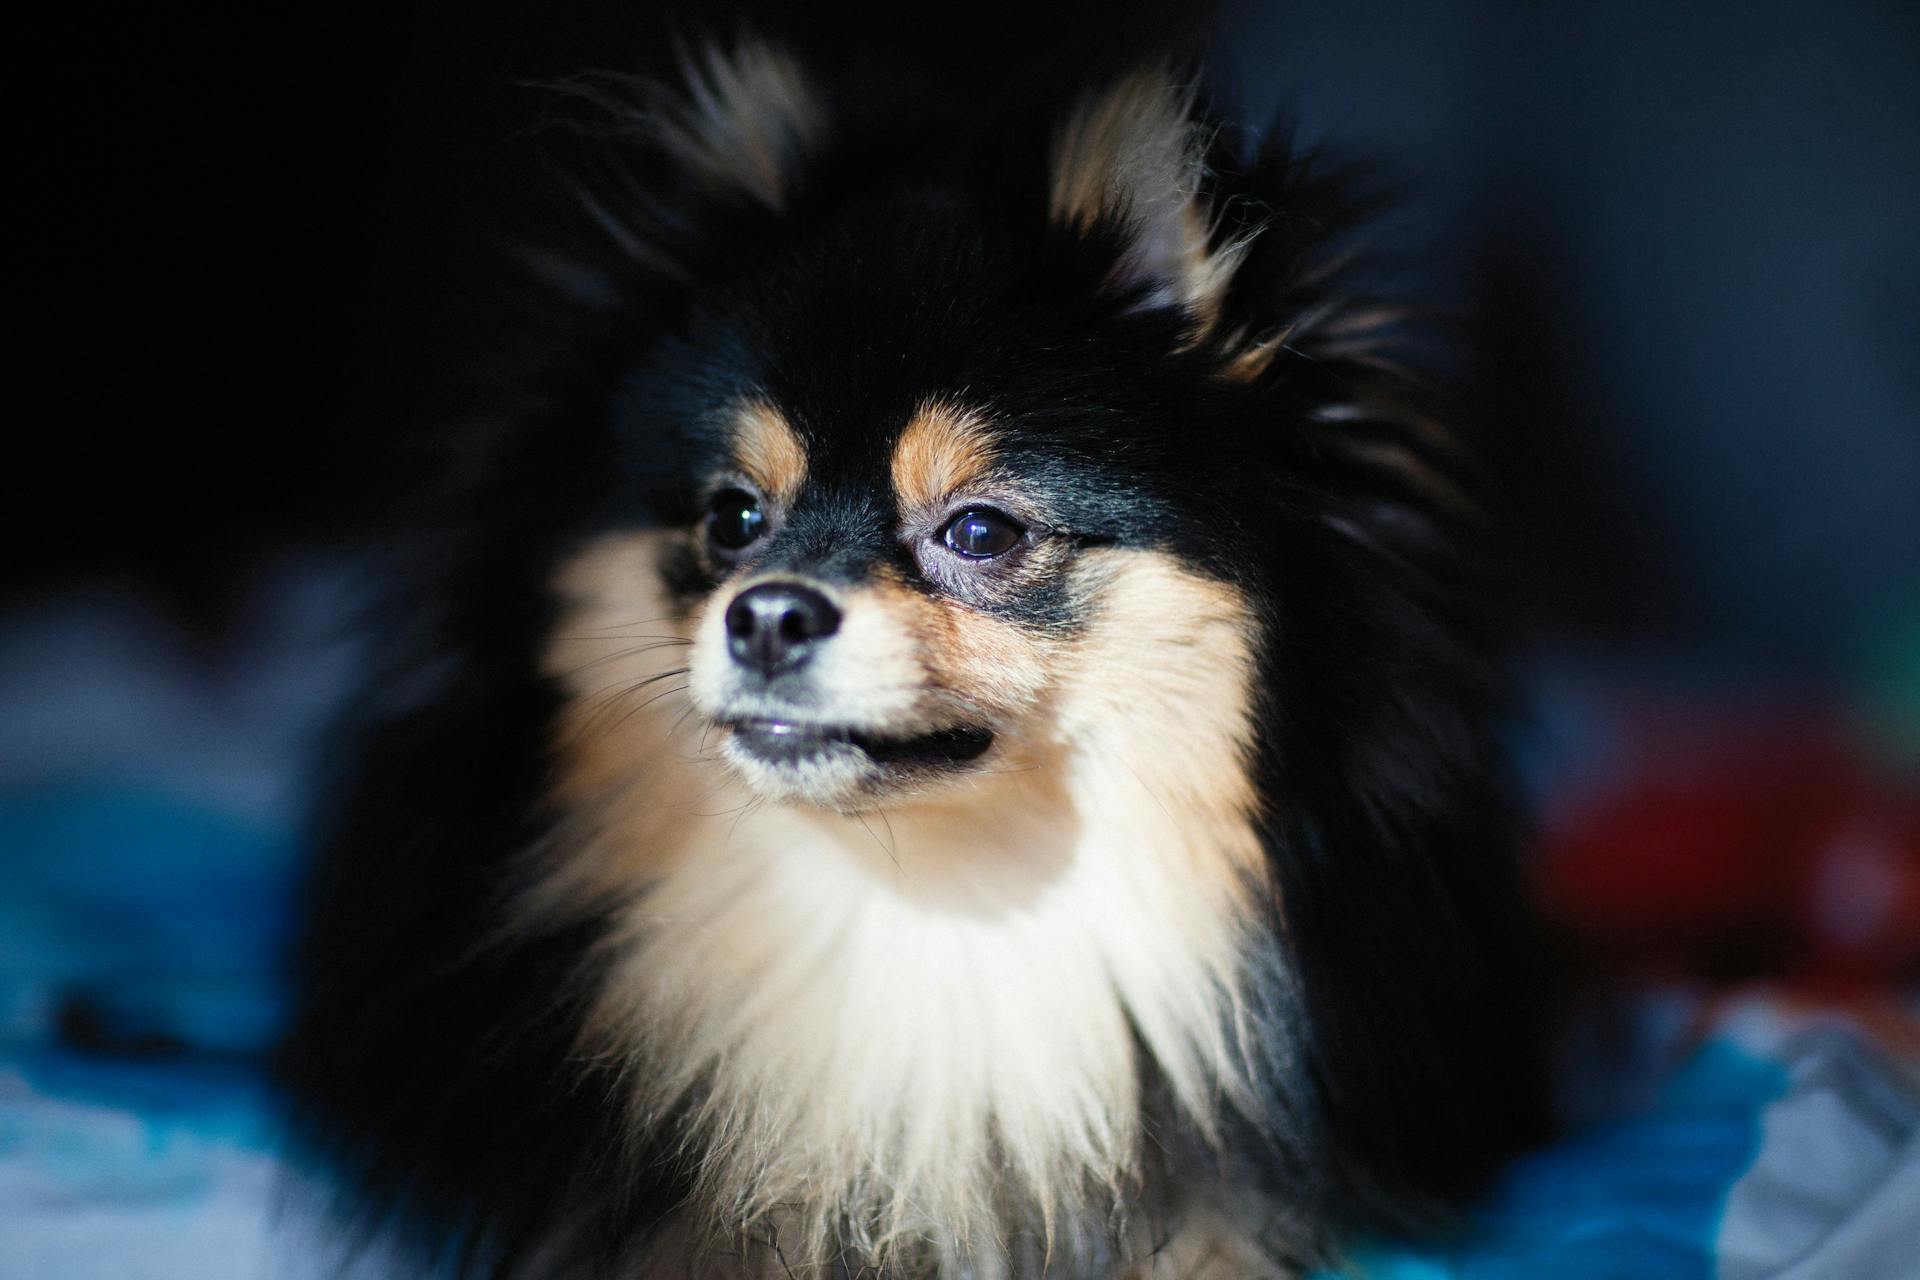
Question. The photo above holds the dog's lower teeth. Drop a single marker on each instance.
(784, 740)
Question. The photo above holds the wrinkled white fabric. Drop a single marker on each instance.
(1834, 1193)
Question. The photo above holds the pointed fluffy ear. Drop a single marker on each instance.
(1133, 158)
(661, 160)
(744, 122)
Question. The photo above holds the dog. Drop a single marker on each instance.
(948, 726)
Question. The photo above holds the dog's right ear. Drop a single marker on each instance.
(1132, 159)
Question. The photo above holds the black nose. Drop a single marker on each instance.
(772, 627)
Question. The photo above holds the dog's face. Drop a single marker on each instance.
(943, 480)
(896, 593)
(876, 622)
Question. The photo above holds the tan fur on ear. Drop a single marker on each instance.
(748, 118)
(1133, 156)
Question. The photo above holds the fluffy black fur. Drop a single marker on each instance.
(434, 1061)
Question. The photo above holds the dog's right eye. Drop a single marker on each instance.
(734, 519)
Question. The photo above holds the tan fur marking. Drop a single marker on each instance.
(1168, 668)
(991, 662)
(628, 753)
(769, 451)
(1250, 363)
(942, 450)
(976, 666)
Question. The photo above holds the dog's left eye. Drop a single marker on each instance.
(734, 519)
(982, 533)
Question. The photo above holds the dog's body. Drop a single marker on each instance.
(947, 738)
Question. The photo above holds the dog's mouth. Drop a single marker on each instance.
(790, 742)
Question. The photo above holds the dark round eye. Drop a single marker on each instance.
(981, 534)
(734, 519)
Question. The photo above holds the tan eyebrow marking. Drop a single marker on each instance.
(769, 451)
(943, 449)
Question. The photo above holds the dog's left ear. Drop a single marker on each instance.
(671, 169)
(1131, 161)
(747, 120)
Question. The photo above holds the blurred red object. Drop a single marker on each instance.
(1735, 844)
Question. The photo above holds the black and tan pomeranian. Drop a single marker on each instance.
(949, 730)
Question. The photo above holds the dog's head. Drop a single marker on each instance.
(967, 460)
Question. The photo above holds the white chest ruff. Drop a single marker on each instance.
(910, 1031)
